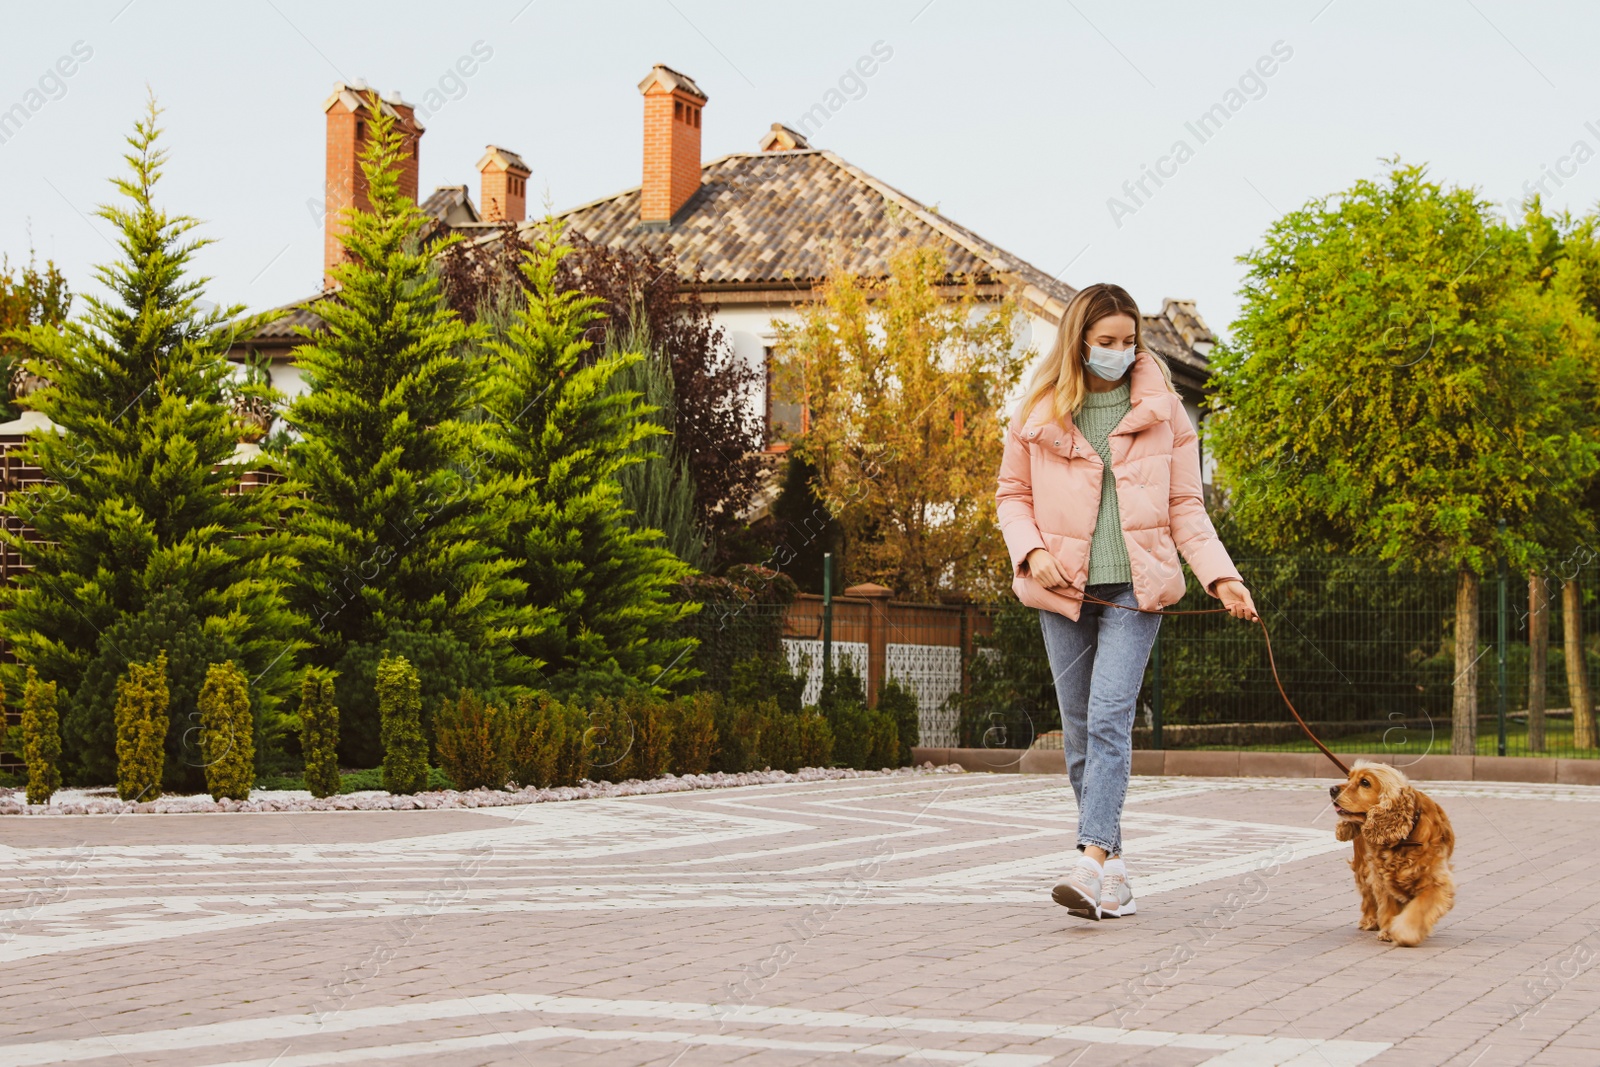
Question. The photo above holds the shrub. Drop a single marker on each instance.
(757, 677)
(372, 778)
(843, 703)
(41, 737)
(694, 733)
(141, 719)
(778, 734)
(900, 703)
(445, 664)
(474, 742)
(405, 747)
(623, 738)
(651, 724)
(168, 624)
(227, 732)
(738, 727)
(319, 733)
(883, 740)
(605, 740)
(816, 740)
(851, 725)
(546, 742)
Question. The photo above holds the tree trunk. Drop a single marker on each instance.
(1583, 731)
(1464, 706)
(1538, 653)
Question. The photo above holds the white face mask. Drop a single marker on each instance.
(1109, 363)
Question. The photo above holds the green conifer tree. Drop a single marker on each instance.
(227, 733)
(140, 716)
(565, 436)
(141, 509)
(405, 745)
(319, 733)
(41, 737)
(405, 513)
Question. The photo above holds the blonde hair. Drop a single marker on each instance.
(1062, 378)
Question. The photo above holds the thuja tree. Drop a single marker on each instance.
(1398, 384)
(140, 523)
(406, 516)
(319, 733)
(715, 435)
(141, 715)
(562, 433)
(227, 736)
(41, 738)
(405, 745)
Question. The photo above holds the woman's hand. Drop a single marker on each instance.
(1042, 568)
(1236, 598)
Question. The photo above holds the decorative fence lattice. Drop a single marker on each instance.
(933, 673)
(805, 656)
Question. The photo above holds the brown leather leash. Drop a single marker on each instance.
(1272, 662)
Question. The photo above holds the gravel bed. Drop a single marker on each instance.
(105, 802)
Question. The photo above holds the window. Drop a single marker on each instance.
(697, 118)
(786, 414)
(677, 110)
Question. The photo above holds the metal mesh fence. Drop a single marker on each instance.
(1366, 654)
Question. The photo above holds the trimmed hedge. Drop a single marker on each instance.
(405, 746)
(473, 742)
(319, 733)
(141, 719)
(227, 732)
(41, 737)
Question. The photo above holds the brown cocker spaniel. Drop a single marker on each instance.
(1403, 843)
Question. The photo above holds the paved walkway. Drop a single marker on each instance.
(860, 922)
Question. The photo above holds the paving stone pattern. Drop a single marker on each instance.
(860, 922)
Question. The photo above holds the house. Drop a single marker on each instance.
(762, 226)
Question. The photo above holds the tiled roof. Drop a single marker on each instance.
(785, 219)
(446, 199)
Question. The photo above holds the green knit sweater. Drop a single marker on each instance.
(1108, 553)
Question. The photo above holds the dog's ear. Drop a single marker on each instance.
(1389, 821)
(1345, 831)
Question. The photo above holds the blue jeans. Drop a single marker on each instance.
(1098, 664)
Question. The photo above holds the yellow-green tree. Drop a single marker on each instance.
(903, 380)
(227, 732)
(41, 737)
(1401, 381)
(405, 746)
(141, 719)
(319, 732)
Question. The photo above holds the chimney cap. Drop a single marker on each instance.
(355, 97)
(671, 81)
(508, 161)
(782, 139)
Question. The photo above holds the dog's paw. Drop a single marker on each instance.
(1383, 935)
(1367, 924)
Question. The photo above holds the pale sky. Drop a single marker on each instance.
(1019, 120)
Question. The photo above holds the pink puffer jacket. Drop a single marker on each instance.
(1049, 497)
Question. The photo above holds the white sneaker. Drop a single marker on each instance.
(1116, 895)
(1079, 889)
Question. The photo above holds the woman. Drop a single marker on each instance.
(1100, 490)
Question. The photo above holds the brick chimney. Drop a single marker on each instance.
(672, 105)
(504, 185)
(349, 113)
